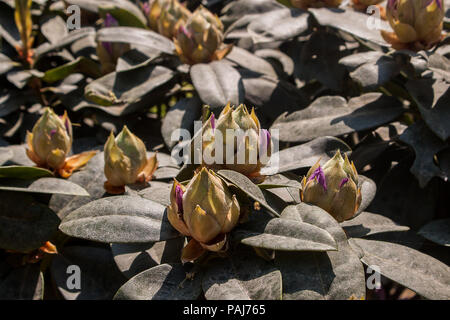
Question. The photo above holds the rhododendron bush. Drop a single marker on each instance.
(246, 149)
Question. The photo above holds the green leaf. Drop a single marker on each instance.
(91, 178)
(285, 235)
(366, 224)
(426, 145)
(63, 42)
(158, 192)
(163, 282)
(119, 219)
(248, 187)
(251, 62)
(5, 155)
(278, 25)
(80, 64)
(99, 276)
(242, 276)
(217, 83)
(23, 172)
(320, 275)
(181, 116)
(351, 21)
(43, 185)
(368, 192)
(26, 223)
(134, 258)
(306, 155)
(432, 97)
(124, 92)
(23, 283)
(419, 272)
(437, 231)
(136, 36)
(332, 115)
(125, 12)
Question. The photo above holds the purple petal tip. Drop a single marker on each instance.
(343, 181)
(320, 176)
(179, 198)
(52, 132)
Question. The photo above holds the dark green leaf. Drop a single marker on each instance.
(419, 272)
(366, 224)
(99, 276)
(163, 282)
(437, 231)
(121, 219)
(217, 83)
(332, 115)
(23, 283)
(26, 224)
(242, 276)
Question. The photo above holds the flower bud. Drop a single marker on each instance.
(171, 16)
(333, 188)
(305, 4)
(126, 161)
(238, 137)
(205, 210)
(50, 141)
(200, 40)
(417, 24)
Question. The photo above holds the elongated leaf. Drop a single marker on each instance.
(425, 145)
(368, 223)
(163, 282)
(320, 275)
(334, 116)
(306, 155)
(181, 116)
(79, 64)
(285, 235)
(23, 172)
(432, 97)
(123, 95)
(368, 192)
(121, 219)
(351, 21)
(5, 155)
(125, 12)
(63, 42)
(419, 272)
(248, 187)
(437, 231)
(217, 83)
(251, 62)
(136, 36)
(97, 273)
(278, 25)
(91, 178)
(133, 258)
(243, 276)
(158, 192)
(26, 223)
(24, 283)
(43, 185)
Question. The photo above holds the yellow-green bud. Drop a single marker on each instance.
(246, 148)
(415, 22)
(171, 15)
(333, 187)
(125, 158)
(50, 141)
(205, 209)
(201, 38)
